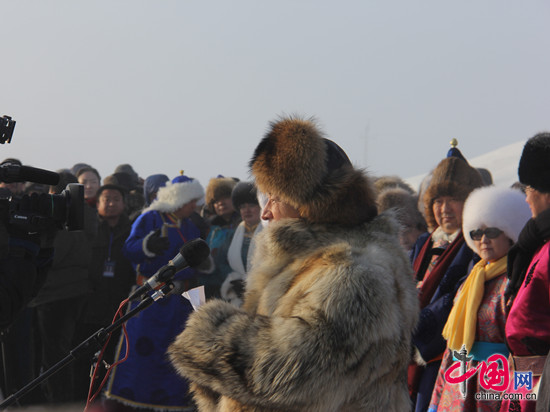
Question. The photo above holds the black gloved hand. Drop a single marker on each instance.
(238, 287)
(157, 244)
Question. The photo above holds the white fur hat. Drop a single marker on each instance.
(490, 206)
(180, 191)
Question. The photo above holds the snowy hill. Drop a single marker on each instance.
(502, 163)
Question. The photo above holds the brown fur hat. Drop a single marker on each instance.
(219, 188)
(312, 173)
(453, 177)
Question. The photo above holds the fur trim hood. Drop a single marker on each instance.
(490, 206)
(453, 177)
(176, 194)
(313, 174)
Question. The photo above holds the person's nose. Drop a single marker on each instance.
(266, 212)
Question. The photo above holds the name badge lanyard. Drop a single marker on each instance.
(109, 266)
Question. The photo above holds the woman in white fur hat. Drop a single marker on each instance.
(492, 220)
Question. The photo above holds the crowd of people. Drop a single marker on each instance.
(326, 289)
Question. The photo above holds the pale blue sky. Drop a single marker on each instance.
(170, 85)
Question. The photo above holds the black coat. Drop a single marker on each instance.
(108, 291)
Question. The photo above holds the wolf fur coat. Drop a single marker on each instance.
(325, 326)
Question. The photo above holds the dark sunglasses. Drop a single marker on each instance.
(490, 232)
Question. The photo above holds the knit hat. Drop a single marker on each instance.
(313, 174)
(490, 206)
(534, 164)
(126, 168)
(112, 186)
(120, 179)
(454, 177)
(180, 191)
(219, 188)
(244, 192)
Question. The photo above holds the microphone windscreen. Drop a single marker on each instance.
(33, 174)
(195, 252)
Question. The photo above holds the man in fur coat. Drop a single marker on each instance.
(330, 304)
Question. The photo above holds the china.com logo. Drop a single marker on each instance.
(493, 376)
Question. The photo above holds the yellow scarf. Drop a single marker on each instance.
(461, 324)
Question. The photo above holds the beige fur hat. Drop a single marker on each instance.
(219, 188)
(313, 174)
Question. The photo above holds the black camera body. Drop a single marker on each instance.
(38, 212)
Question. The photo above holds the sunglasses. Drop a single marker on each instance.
(490, 233)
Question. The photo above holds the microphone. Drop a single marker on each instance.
(10, 173)
(191, 254)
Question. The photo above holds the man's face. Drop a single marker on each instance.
(448, 213)
(110, 203)
(276, 209)
(537, 201)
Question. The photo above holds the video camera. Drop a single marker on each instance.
(37, 212)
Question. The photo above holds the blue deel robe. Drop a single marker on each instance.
(147, 379)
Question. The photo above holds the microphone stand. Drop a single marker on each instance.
(95, 341)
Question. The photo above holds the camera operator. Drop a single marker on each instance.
(59, 305)
(28, 226)
(24, 261)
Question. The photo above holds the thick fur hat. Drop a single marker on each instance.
(180, 191)
(387, 182)
(534, 164)
(453, 177)
(219, 188)
(405, 204)
(244, 192)
(312, 173)
(490, 206)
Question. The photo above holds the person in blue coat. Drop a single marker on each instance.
(146, 379)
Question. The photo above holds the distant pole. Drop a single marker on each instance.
(365, 146)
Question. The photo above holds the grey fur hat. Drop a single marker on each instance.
(405, 205)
